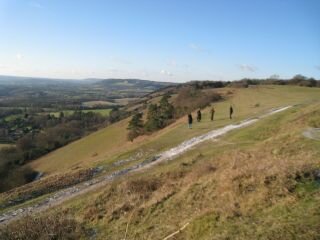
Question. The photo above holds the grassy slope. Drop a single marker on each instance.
(248, 185)
(96, 146)
(243, 186)
(110, 144)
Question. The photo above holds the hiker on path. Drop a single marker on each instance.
(190, 120)
(230, 112)
(212, 113)
(199, 115)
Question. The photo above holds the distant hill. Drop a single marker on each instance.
(107, 84)
(49, 92)
(131, 84)
(37, 81)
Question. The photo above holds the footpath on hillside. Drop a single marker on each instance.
(70, 192)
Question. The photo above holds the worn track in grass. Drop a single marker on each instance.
(84, 187)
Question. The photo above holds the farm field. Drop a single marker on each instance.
(103, 112)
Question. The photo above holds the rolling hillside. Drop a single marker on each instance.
(103, 145)
(257, 182)
(18, 91)
(131, 85)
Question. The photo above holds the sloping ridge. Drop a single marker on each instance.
(84, 187)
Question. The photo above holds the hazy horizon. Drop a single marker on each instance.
(20, 78)
(174, 41)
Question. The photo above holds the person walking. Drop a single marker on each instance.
(212, 113)
(230, 112)
(199, 115)
(190, 120)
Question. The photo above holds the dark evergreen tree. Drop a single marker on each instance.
(166, 111)
(135, 126)
(159, 116)
(153, 118)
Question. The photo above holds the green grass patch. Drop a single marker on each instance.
(13, 117)
(103, 112)
(314, 120)
(307, 186)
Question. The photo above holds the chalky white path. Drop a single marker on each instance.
(312, 133)
(183, 147)
(70, 192)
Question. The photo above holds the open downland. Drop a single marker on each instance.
(110, 144)
(258, 182)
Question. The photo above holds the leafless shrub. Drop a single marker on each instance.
(51, 227)
(190, 98)
(143, 185)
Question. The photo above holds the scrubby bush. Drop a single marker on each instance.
(191, 98)
(53, 227)
(161, 115)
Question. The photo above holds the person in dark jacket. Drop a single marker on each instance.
(230, 112)
(212, 113)
(199, 115)
(190, 120)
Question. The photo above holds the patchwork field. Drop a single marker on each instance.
(103, 112)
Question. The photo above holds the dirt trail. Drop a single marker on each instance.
(70, 192)
(312, 133)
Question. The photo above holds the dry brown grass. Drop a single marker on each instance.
(229, 190)
(51, 227)
(44, 186)
(234, 184)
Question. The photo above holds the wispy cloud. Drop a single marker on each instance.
(3, 66)
(172, 63)
(144, 73)
(19, 56)
(120, 60)
(35, 4)
(167, 73)
(114, 70)
(194, 46)
(185, 66)
(198, 48)
(247, 68)
(317, 67)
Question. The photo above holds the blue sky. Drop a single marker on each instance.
(167, 40)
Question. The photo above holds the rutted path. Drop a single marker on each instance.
(312, 133)
(97, 182)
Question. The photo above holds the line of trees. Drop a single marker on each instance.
(158, 116)
(161, 115)
(297, 80)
